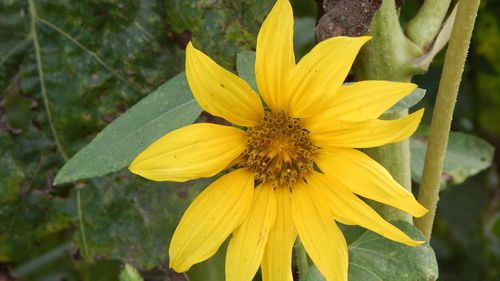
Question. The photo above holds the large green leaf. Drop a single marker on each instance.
(68, 69)
(132, 220)
(26, 215)
(222, 29)
(28, 219)
(373, 257)
(170, 107)
(466, 156)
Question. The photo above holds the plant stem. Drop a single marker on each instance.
(443, 111)
(423, 28)
(388, 56)
(441, 40)
(396, 159)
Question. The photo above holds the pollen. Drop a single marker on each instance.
(279, 150)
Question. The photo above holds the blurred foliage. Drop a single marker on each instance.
(129, 273)
(67, 69)
(98, 58)
(466, 155)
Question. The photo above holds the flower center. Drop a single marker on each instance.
(278, 150)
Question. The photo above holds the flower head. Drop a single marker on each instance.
(297, 167)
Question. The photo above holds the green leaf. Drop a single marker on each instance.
(212, 269)
(11, 179)
(303, 35)
(492, 233)
(218, 28)
(466, 156)
(17, 109)
(373, 257)
(245, 65)
(132, 220)
(484, 83)
(170, 107)
(410, 100)
(90, 62)
(129, 273)
(27, 220)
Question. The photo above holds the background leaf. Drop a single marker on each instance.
(129, 273)
(466, 156)
(245, 64)
(169, 107)
(303, 35)
(133, 220)
(96, 59)
(221, 29)
(373, 257)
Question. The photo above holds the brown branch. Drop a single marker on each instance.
(344, 17)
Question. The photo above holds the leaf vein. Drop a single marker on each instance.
(92, 54)
(366, 270)
(373, 253)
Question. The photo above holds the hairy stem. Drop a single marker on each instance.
(395, 158)
(387, 57)
(443, 111)
(424, 27)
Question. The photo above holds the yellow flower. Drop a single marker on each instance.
(297, 169)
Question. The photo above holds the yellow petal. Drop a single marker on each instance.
(364, 176)
(246, 248)
(320, 73)
(209, 220)
(277, 260)
(319, 234)
(348, 208)
(220, 92)
(361, 101)
(363, 134)
(191, 152)
(275, 59)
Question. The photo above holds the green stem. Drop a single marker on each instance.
(388, 56)
(38, 56)
(301, 258)
(395, 158)
(441, 40)
(424, 27)
(443, 111)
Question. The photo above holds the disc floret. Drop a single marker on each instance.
(279, 150)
